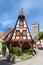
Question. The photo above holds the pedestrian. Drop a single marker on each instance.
(7, 55)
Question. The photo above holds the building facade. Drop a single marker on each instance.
(1, 41)
(39, 43)
(21, 35)
(35, 27)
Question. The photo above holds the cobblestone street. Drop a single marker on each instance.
(35, 60)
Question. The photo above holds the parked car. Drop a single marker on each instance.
(40, 48)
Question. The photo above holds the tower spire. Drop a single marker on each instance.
(21, 12)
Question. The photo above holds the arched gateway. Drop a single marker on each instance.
(20, 34)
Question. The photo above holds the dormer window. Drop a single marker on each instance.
(21, 23)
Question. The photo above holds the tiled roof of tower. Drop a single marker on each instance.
(21, 12)
(35, 23)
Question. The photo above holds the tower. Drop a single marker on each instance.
(35, 27)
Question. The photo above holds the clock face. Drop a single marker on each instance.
(21, 23)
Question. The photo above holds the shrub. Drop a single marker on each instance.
(31, 51)
(17, 51)
(12, 58)
(4, 50)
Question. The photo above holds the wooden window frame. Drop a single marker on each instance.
(16, 33)
(26, 33)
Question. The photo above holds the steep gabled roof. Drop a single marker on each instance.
(11, 31)
(8, 31)
(8, 35)
(35, 23)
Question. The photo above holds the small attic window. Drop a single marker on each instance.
(21, 23)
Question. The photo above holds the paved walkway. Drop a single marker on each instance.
(36, 60)
(1, 57)
(3, 61)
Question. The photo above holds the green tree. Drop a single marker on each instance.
(40, 33)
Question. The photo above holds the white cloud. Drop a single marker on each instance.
(6, 23)
(5, 20)
(32, 8)
(29, 4)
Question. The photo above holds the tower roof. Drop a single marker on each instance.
(35, 23)
(21, 12)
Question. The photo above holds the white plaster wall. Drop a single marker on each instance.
(27, 34)
(29, 37)
(41, 42)
(17, 37)
(13, 37)
(0, 46)
(24, 37)
(17, 25)
(25, 25)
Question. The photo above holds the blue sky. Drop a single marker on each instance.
(9, 11)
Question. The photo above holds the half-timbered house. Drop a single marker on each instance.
(20, 35)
